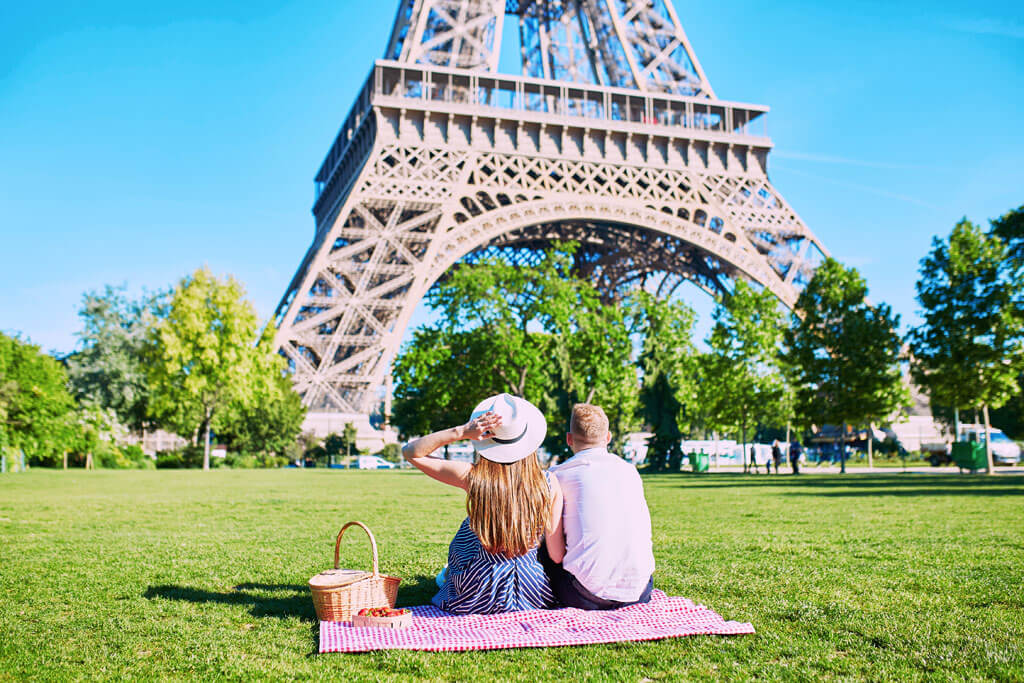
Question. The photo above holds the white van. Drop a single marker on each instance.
(373, 462)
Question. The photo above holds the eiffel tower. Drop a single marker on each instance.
(611, 137)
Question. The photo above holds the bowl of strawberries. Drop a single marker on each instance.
(382, 617)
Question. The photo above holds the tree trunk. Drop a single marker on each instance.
(743, 438)
(206, 445)
(842, 449)
(988, 442)
(956, 425)
(65, 459)
(714, 437)
(871, 439)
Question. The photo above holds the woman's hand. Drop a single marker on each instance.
(481, 427)
(455, 473)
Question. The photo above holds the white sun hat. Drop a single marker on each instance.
(520, 433)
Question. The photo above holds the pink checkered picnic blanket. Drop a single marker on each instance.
(438, 631)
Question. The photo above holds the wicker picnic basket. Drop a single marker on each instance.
(340, 593)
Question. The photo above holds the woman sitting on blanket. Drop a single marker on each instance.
(512, 503)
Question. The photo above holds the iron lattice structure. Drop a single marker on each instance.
(612, 137)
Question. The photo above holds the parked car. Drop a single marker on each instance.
(373, 462)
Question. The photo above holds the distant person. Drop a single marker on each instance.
(608, 550)
(776, 455)
(753, 458)
(512, 506)
(795, 451)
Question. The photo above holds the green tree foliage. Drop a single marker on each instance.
(202, 358)
(391, 452)
(265, 418)
(348, 438)
(742, 384)
(967, 350)
(334, 444)
(440, 376)
(537, 332)
(108, 372)
(1010, 229)
(341, 444)
(667, 360)
(37, 413)
(843, 353)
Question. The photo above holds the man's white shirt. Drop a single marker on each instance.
(607, 525)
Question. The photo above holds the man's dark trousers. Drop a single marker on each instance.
(571, 593)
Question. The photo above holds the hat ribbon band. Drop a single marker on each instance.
(508, 441)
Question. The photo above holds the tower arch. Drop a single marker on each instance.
(439, 163)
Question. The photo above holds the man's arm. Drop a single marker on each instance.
(554, 538)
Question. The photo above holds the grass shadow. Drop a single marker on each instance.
(251, 595)
(416, 591)
(853, 485)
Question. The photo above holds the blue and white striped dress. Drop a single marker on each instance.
(479, 582)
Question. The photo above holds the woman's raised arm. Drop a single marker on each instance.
(418, 450)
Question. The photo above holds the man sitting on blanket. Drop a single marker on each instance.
(608, 558)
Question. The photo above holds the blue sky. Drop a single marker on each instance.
(139, 141)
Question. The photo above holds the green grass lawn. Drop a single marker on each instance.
(170, 574)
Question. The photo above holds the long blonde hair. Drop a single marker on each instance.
(508, 505)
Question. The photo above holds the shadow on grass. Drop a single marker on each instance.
(852, 485)
(416, 591)
(252, 595)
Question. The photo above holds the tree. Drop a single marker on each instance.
(440, 376)
(336, 444)
(267, 417)
(593, 364)
(37, 413)
(843, 353)
(108, 371)
(668, 363)
(533, 331)
(515, 311)
(203, 356)
(1010, 229)
(742, 382)
(348, 437)
(967, 350)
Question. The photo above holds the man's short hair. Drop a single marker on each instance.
(588, 424)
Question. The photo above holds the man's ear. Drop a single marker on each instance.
(608, 437)
(568, 440)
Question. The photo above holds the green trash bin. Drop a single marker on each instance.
(969, 455)
(699, 461)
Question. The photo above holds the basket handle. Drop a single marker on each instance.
(373, 545)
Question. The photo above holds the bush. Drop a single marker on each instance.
(126, 457)
(110, 457)
(391, 452)
(240, 461)
(248, 461)
(189, 457)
